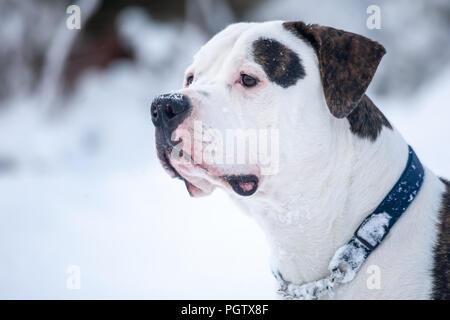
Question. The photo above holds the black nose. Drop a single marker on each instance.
(169, 110)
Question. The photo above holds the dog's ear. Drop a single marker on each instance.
(347, 63)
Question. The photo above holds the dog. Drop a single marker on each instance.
(337, 157)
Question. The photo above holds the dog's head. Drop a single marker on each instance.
(258, 99)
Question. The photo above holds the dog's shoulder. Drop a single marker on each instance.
(441, 272)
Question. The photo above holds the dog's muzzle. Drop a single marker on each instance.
(168, 111)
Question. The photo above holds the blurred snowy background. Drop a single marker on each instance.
(79, 180)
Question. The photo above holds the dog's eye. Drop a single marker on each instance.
(248, 81)
(189, 80)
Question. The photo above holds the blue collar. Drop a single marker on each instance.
(349, 258)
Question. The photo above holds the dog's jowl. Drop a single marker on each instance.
(348, 191)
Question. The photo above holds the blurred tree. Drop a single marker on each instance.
(99, 43)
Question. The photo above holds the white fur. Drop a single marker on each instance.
(329, 179)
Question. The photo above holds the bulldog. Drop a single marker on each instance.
(276, 114)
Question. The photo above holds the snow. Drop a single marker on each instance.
(347, 260)
(84, 186)
(135, 234)
(374, 228)
(308, 291)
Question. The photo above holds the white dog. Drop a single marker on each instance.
(332, 165)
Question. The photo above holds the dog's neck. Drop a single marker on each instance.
(307, 219)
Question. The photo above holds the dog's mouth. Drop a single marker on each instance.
(162, 150)
(202, 184)
(206, 181)
(201, 180)
(243, 185)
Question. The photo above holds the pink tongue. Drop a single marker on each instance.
(247, 186)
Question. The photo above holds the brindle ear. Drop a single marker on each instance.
(347, 63)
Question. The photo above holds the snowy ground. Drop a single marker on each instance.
(85, 188)
(133, 235)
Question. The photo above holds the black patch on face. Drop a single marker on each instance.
(441, 270)
(366, 121)
(282, 65)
